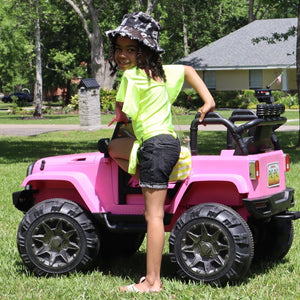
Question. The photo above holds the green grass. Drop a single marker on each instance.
(6, 118)
(3, 105)
(264, 281)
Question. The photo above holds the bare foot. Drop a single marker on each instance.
(142, 287)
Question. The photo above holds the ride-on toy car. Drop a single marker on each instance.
(233, 206)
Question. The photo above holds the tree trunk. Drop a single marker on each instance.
(185, 37)
(250, 12)
(108, 80)
(98, 64)
(298, 66)
(151, 6)
(38, 90)
(68, 93)
(96, 41)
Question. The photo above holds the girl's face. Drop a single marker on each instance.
(125, 52)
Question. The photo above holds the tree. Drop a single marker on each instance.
(151, 6)
(33, 44)
(88, 15)
(201, 22)
(253, 11)
(38, 90)
(65, 54)
(16, 48)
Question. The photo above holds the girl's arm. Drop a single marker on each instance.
(195, 81)
(120, 115)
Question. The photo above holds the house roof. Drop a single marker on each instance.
(237, 51)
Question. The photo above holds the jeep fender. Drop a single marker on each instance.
(237, 180)
(80, 182)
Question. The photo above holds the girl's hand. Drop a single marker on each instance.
(122, 118)
(112, 121)
(207, 107)
(120, 115)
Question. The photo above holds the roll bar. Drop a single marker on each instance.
(234, 132)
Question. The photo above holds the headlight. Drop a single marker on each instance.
(29, 169)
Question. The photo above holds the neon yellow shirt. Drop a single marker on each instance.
(148, 103)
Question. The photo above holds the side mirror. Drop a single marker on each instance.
(103, 146)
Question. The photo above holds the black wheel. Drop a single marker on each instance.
(273, 239)
(56, 236)
(123, 244)
(211, 243)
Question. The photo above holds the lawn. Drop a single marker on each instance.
(264, 281)
(5, 118)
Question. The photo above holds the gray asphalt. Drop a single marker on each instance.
(33, 129)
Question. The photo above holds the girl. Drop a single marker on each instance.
(146, 93)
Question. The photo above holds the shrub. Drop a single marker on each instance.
(189, 99)
(178, 110)
(75, 102)
(107, 100)
(16, 105)
(290, 101)
(48, 110)
(248, 99)
(278, 95)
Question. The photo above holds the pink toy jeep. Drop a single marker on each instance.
(233, 206)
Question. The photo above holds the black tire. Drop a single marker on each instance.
(211, 243)
(273, 239)
(57, 237)
(119, 244)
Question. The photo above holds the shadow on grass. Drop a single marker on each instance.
(132, 267)
(29, 149)
(288, 141)
(135, 266)
(263, 267)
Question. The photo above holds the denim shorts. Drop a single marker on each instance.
(157, 156)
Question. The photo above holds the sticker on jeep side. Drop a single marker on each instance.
(273, 174)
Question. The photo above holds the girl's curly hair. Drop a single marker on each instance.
(147, 59)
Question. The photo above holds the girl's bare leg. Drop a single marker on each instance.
(119, 150)
(154, 214)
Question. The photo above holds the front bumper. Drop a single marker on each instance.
(23, 200)
(276, 204)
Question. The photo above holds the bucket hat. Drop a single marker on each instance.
(139, 26)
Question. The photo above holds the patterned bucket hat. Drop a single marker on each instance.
(139, 26)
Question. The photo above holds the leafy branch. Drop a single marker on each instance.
(277, 37)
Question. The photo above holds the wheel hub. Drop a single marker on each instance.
(205, 248)
(55, 242)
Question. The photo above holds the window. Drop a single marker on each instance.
(209, 78)
(255, 79)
